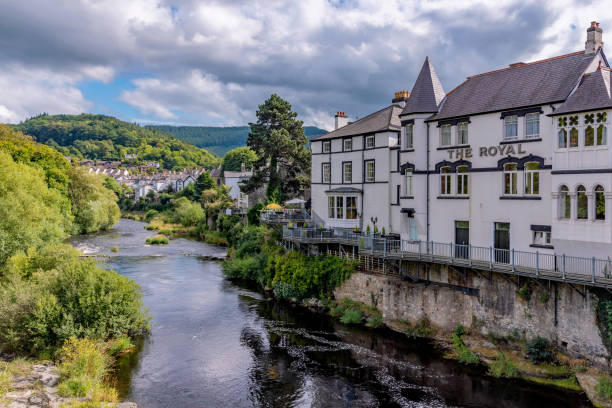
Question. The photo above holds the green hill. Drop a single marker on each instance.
(106, 138)
(219, 140)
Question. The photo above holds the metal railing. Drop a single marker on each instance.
(286, 215)
(545, 265)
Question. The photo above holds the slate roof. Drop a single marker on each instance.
(536, 83)
(383, 120)
(592, 93)
(427, 92)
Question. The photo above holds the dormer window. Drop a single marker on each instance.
(532, 125)
(510, 127)
(327, 147)
(445, 135)
(408, 136)
(369, 142)
(347, 145)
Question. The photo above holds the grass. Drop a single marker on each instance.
(215, 238)
(351, 312)
(464, 355)
(351, 316)
(157, 240)
(604, 389)
(422, 328)
(16, 368)
(120, 345)
(503, 367)
(83, 366)
(570, 383)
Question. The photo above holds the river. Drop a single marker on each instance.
(218, 344)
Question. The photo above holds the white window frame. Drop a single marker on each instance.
(444, 135)
(408, 136)
(344, 144)
(511, 122)
(340, 207)
(534, 119)
(446, 182)
(326, 148)
(408, 183)
(463, 181)
(564, 198)
(369, 179)
(541, 238)
(370, 142)
(530, 176)
(604, 137)
(513, 174)
(346, 207)
(325, 173)
(331, 207)
(462, 133)
(345, 173)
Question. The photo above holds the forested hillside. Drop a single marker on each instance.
(106, 138)
(220, 140)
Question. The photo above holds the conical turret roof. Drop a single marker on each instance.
(427, 92)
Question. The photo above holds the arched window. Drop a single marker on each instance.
(532, 178)
(510, 179)
(445, 181)
(601, 135)
(582, 203)
(565, 203)
(589, 136)
(600, 203)
(573, 139)
(562, 138)
(462, 180)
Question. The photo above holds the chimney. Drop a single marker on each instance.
(341, 120)
(242, 167)
(401, 97)
(594, 38)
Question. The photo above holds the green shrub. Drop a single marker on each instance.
(459, 331)
(253, 214)
(115, 249)
(422, 328)
(187, 213)
(119, 345)
(151, 227)
(544, 297)
(604, 389)
(157, 240)
(375, 321)
(538, 350)
(351, 316)
(464, 355)
(150, 215)
(503, 367)
(83, 364)
(524, 293)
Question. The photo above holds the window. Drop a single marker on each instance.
(510, 179)
(532, 125)
(351, 208)
(331, 206)
(347, 172)
(510, 127)
(326, 172)
(408, 136)
(347, 145)
(589, 136)
(462, 133)
(408, 183)
(445, 181)
(399, 193)
(565, 203)
(541, 238)
(462, 180)
(532, 178)
(562, 138)
(601, 135)
(445, 135)
(582, 203)
(369, 142)
(339, 207)
(327, 147)
(573, 139)
(370, 170)
(600, 203)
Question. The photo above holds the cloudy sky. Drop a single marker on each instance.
(202, 62)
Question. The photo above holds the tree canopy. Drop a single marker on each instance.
(106, 138)
(233, 160)
(283, 158)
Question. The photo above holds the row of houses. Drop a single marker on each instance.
(515, 158)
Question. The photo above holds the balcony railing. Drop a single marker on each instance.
(555, 266)
(285, 216)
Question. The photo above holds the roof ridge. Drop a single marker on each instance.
(571, 54)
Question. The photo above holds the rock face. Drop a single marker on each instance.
(563, 316)
(38, 389)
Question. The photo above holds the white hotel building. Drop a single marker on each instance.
(513, 158)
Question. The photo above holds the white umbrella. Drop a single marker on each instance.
(295, 201)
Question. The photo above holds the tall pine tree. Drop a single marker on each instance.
(283, 157)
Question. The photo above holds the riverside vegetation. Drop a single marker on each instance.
(53, 304)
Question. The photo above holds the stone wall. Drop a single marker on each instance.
(566, 318)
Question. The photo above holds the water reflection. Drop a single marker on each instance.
(215, 343)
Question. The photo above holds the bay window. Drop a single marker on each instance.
(342, 207)
(510, 179)
(532, 178)
(339, 207)
(445, 181)
(351, 208)
(562, 138)
(331, 207)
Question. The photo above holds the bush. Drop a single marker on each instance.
(187, 213)
(459, 331)
(351, 316)
(375, 321)
(538, 350)
(422, 328)
(464, 355)
(604, 388)
(83, 365)
(157, 240)
(503, 367)
(150, 215)
(119, 345)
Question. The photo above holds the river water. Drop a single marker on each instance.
(218, 344)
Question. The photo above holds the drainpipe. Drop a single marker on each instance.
(361, 226)
(427, 178)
